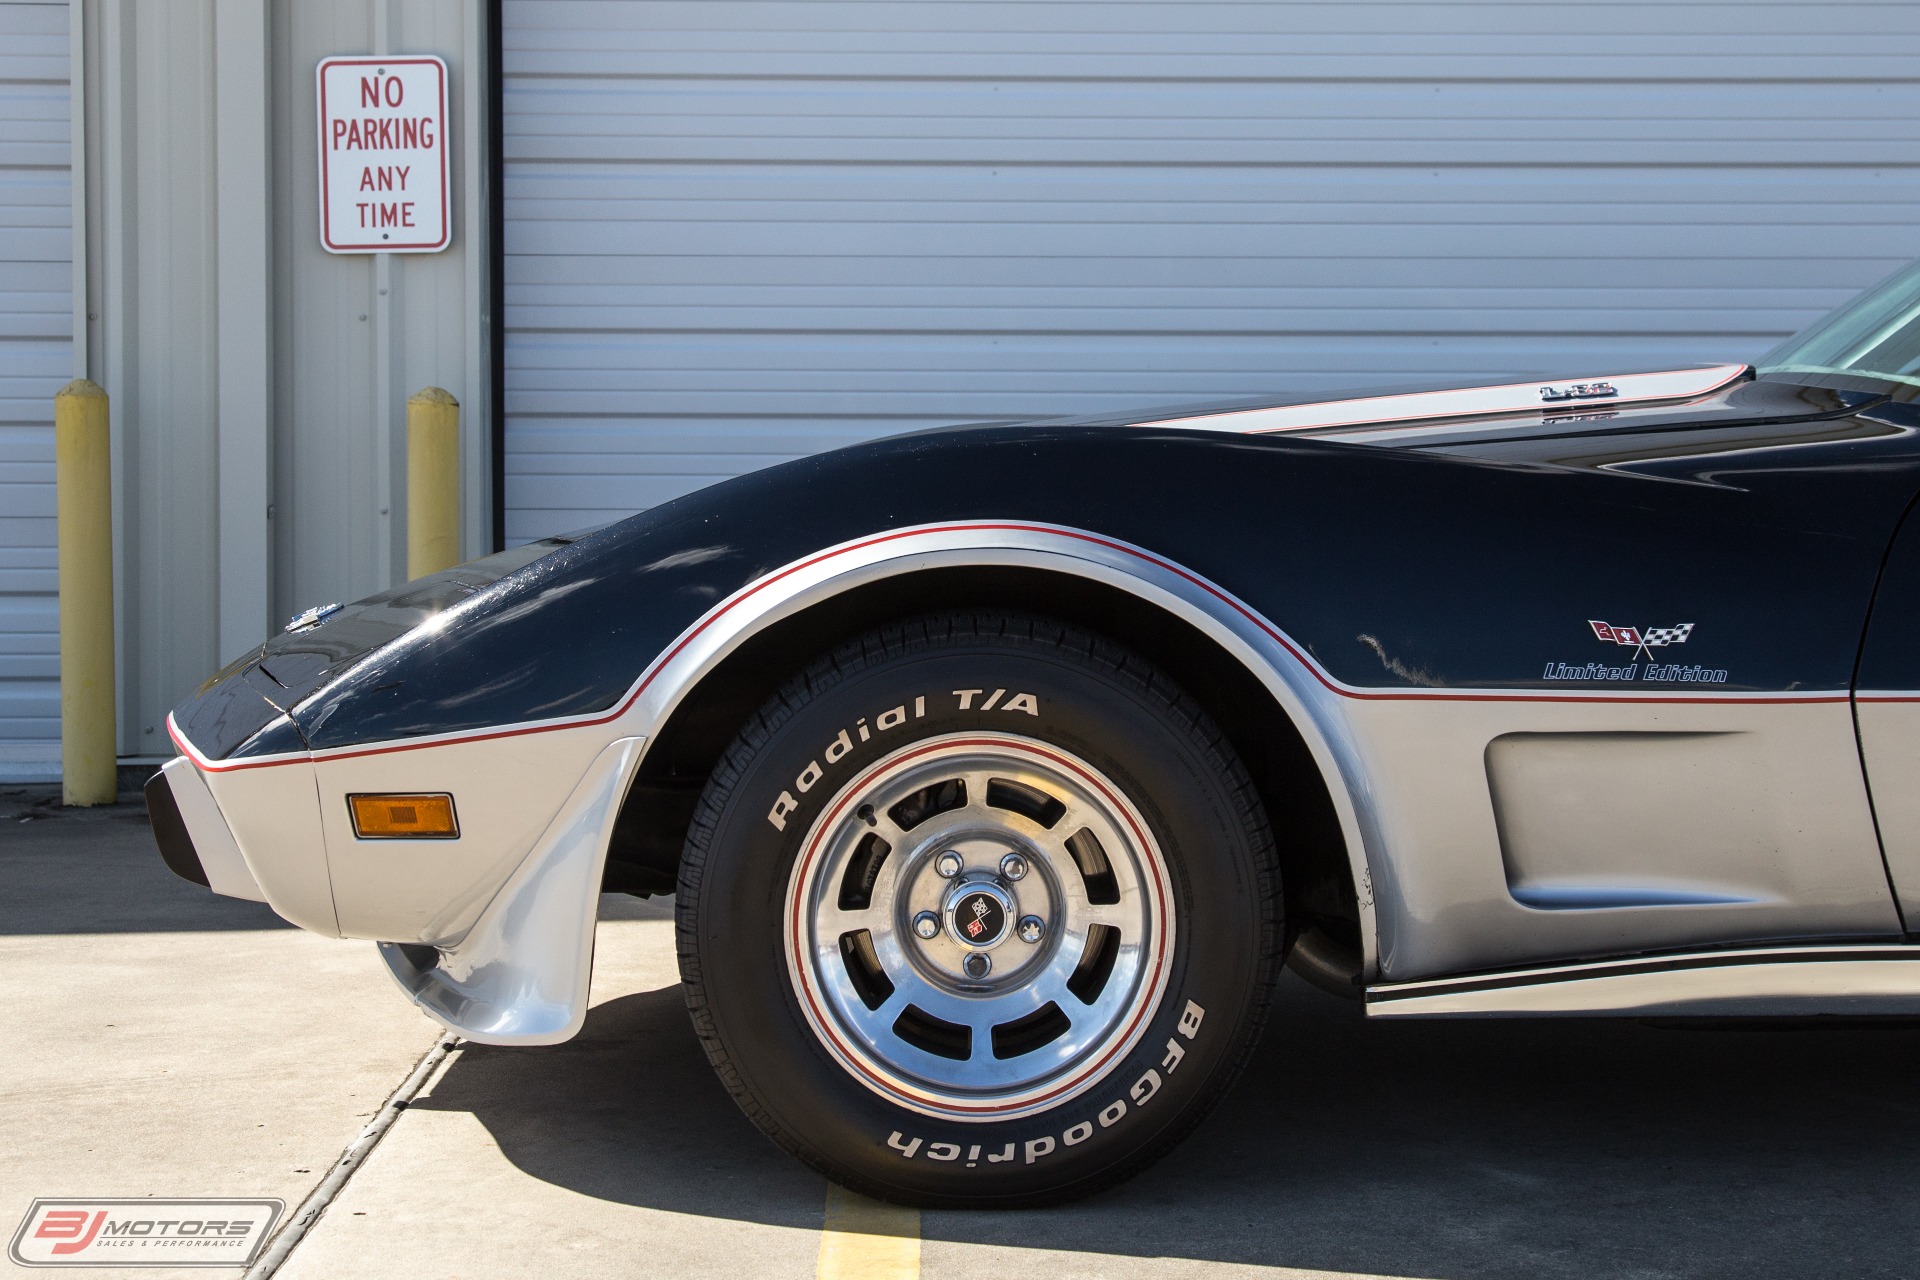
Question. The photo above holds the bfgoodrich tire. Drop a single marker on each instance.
(978, 910)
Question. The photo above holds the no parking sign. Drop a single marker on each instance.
(383, 154)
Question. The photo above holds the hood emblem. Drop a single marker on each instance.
(309, 618)
(1580, 391)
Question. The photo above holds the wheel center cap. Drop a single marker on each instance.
(978, 914)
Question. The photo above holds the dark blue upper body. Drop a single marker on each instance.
(1475, 557)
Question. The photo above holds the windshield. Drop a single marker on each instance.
(1877, 335)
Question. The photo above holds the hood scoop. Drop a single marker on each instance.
(1471, 402)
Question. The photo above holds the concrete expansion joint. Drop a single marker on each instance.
(289, 1237)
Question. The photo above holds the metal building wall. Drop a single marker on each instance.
(153, 273)
(355, 335)
(258, 383)
(738, 232)
(36, 359)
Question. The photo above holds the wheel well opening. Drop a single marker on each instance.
(644, 856)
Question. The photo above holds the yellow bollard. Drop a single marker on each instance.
(433, 482)
(84, 520)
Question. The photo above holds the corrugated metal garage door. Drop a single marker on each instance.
(740, 232)
(36, 358)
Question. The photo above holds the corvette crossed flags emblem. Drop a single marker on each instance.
(1642, 638)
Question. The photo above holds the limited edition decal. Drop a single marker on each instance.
(1643, 664)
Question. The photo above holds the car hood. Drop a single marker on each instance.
(251, 696)
(1457, 413)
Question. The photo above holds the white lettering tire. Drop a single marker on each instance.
(979, 910)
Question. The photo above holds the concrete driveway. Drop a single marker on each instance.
(166, 1043)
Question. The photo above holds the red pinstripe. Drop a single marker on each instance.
(1268, 629)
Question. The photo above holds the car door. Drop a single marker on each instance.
(1683, 774)
(1887, 711)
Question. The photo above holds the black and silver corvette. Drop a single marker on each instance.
(997, 770)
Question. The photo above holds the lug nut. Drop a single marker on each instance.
(977, 965)
(1013, 867)
(927, 925)
(1032, 929)
(948, 864)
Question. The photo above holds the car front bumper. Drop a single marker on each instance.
(194, 837)
(512, 966)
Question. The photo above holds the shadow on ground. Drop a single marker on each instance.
(1449, 1149)
(98, 871)
(1525, 1149)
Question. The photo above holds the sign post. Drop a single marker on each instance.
(383, 155)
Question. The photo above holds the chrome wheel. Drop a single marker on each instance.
(978, 925)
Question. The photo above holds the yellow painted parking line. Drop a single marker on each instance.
(865, 1239)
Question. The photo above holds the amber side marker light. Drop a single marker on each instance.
(410, 817)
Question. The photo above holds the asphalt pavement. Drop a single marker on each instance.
(164, 1042)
